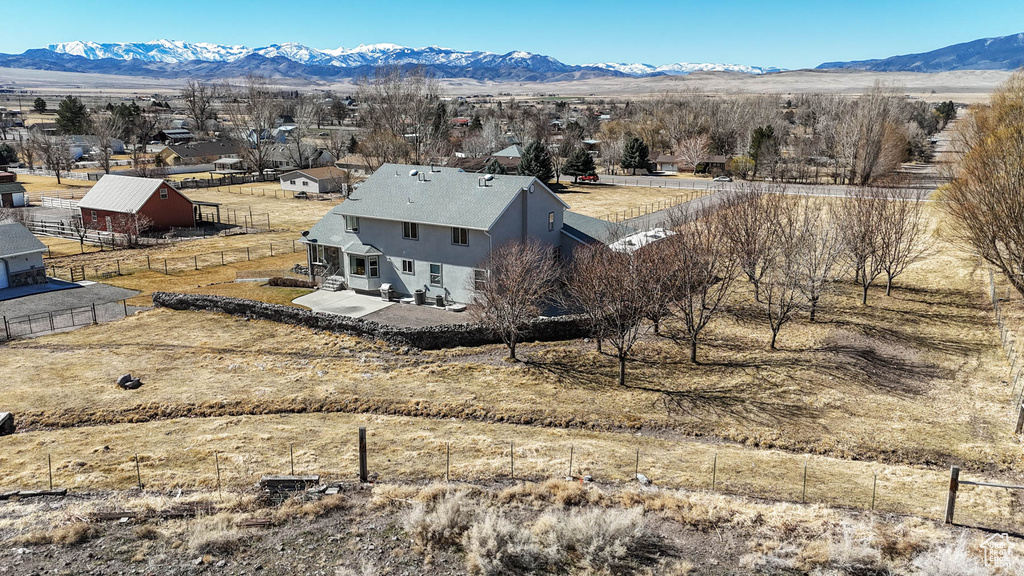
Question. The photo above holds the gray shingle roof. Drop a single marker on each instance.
(16, 239)
(448, 197)
(590, 229)
(126, 194)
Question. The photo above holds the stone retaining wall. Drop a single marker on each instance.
(425, 338)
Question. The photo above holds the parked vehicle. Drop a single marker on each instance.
(588, 178)
(722, 179)
(301, 195)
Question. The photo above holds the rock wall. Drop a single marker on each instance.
(425, 338)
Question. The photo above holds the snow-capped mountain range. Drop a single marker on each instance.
(177, 52)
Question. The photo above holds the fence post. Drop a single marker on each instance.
(954, 484)
(216, 462)
(165, 266)
(291, 456)
(362, 455)
(7, 328)
(571, 449)
(271, 249)
(714, 471)
(221, 257)
(247, 253)
(148, 267)
(448, 462)
(94, 314)
(138, 470)
(50, 314)
(1020, 421)
(123, 302)
(874, 490)
(512, 459)
(803, 495)
(195, 262)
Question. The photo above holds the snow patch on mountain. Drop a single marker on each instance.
(682, 68)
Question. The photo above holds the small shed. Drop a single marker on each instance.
(320, 180)
(12, 194)
(111, 203)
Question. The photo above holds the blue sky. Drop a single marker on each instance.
(789, 34)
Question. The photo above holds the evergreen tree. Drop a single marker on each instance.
(635, 154)
(475, 124)
(762, 141)
(72, 116)
(39, 105)
(536, 162)
(494, 167)
(579, 164)
(353, 145)
(7, 154)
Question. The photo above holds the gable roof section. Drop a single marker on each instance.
(205, 149)
(322, 173)
(513, 151)
(11, 187)
(447, 197)
(590, 230)
(126, 194)
(16, 240)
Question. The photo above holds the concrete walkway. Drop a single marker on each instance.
(343, 303)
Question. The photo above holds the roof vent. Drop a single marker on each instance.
(413, 172)
(488, 177)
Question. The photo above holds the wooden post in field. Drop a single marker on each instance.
(571, 450)
(874, 490)
(714, 471)
(803, 495)
(165, 266)
(362, 455)
(448, 462)
(138, 470)
(148, 267)
(216, 462)
(512, 459)
(125, 304)
(1020, 420)
(636, 468)
(954, 484)
(49, 467)
(94, 314)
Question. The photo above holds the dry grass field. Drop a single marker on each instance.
(914, 382)
(600, 200)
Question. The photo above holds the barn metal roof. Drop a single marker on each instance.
(126, 194)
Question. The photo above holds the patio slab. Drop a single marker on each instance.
(343, 303)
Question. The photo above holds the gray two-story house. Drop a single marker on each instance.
(428, 228)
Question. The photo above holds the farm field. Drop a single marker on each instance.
(601, 200)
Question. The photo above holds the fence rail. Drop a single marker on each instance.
(51, 202)
(47, 322)
(172, 265)
(645, 209)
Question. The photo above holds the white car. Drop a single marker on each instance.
(722, 179)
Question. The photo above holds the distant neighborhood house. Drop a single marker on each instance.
(322, 180)
(197, 153)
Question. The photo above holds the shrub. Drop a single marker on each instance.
(215, 535)
(290, 282)
(496, 546)
(441, 523)
(596, 539)
(951, 559)
(147, 532)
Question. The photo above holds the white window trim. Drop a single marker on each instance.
(348, 224)
(551, 221)
(412, 267)
(440, 274)
(409, 226)
(372, 263)
(352, 266)
(163, 194)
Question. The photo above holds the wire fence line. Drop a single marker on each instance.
(645, 209)
(170, 265)
(57, 320)
(418, 457)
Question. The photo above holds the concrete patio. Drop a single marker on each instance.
(343, 303)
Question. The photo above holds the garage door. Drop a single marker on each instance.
(3, 274)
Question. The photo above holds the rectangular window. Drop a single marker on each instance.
(352, 223)
(320, 253)
(93, 214)
(163, 193)
(460, 236)
(479, 279)
(374, 268)
(435, 275)
(357, 265)
(305, 182)
(408, 267)
(410, 231)
(551, 221)
(292, 182)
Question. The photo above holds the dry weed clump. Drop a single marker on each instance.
(951, 559)
(215, 534)
(147, 532)
(67, 535)
(441, 523)
(298, 506)
(559, 492)
(601, 539)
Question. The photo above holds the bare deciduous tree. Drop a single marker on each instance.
(752, 212)
(706, 267)
(901, 231)
(520, 279)
(54, 152)
(860, 219)
(106, 128)
(400, 115)
(693, 150)
(821, 250)
(253, 111)
(779, 287)
(198, 99)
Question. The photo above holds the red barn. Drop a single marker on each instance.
(116, 202)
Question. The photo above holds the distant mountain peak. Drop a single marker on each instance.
(159, 56)
(999, 53)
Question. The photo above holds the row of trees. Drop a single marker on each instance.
(790, 250)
